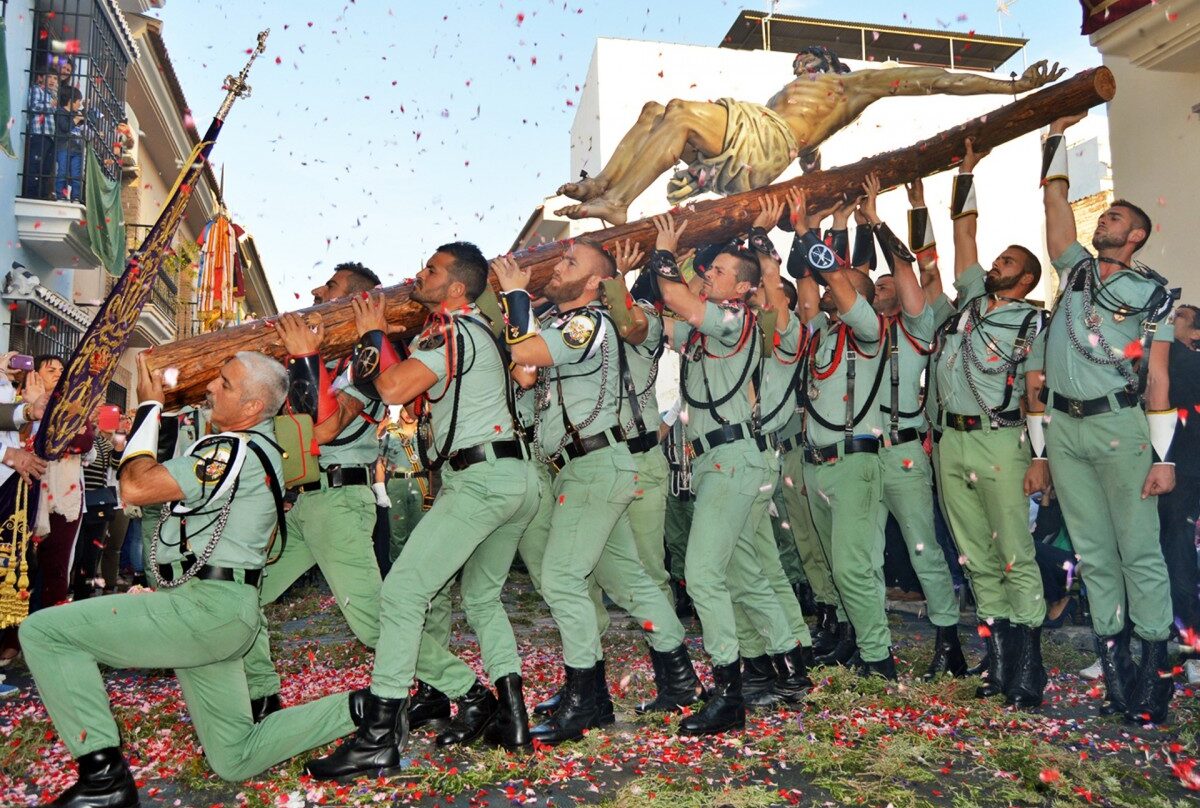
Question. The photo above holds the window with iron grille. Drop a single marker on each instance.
(75, 98)
(35, 330)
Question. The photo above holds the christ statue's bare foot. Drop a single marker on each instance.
(611, 212)
(586, 189)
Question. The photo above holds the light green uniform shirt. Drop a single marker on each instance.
(252, 515)
(777, 392)
(356, 444)
(912, 362)
(992, 341)
(480, 380)
(1067, 372)
(643, 372)
(827, 397)
(712, 351)
(583, 345)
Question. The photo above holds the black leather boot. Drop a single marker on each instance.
(758, 682)
(792, 669)
(825, 632)
(885, 667)
(261, 708)
(675, 680)
(104, 782)
(376, 749)
(476, 710)
(979, 667)
(725, 708)
(427, 706)
(684, 608)
(808, 600)
(947, 654)
(1153, 687)
(511, 727)
(1000, 658)
(1120, 674)
(577, 711)
(548, 706)
(606, 715)
(1028, 682)
(843, 650)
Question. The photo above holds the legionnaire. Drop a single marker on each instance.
(222, 502)
(576, 428)
(409, 490)
(332, 523)
(680, 504)
(984, 472)
(776, 646)
(907, 472)
(488, 496)
(732, 478)
(842, 440)
(1106, 352)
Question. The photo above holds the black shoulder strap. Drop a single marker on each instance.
(276, 494)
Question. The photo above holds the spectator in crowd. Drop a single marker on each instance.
(39, 140)
(101, 506)
(1179, 509)
(71, 125)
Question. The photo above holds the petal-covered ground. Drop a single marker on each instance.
(859, 742)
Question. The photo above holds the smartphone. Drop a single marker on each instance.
(108, 417)
(20, 362)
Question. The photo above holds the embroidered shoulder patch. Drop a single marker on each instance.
(212, 458)
(578, 331)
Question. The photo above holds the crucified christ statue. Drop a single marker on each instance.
(733, 146)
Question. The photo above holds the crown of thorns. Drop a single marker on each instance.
(829, 59)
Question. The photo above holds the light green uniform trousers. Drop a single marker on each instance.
(908, 496)
(678, 526)
(760, 633)
(781, 527)
(647, 517)
(981, 479)
(846, 497)
(590, 535)
(405, 513)
(814, 557)
(1099, 465)
(474, 525)
(733, 485)
(334, 529)
(201, 629)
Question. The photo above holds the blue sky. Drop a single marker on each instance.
(378, 130)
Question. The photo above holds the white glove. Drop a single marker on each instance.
(381, 497)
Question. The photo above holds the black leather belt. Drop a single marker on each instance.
(824, 454)
(207, 572)
(727, 434)
(501, 449)
(907, 435)
(339, 477)
(405, 475)
(970, 423)
(642, 443)
(592, 443)
(1082, 408)
(786, 445)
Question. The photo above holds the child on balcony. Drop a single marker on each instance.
(72, 123)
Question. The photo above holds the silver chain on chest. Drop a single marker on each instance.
(971, 359)
(205, 555)
(1091, 321)
(541, 403)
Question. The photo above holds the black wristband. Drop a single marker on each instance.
(662, 263)
(761, 242)
(891, 244)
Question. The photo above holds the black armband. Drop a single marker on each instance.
(891, 245)
(1054, 159)
(962, 199)
(662, 263)
(839, 240)
(520, 324)
(864, 249)
(371, 356)
(310, 389)
(761, 242)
